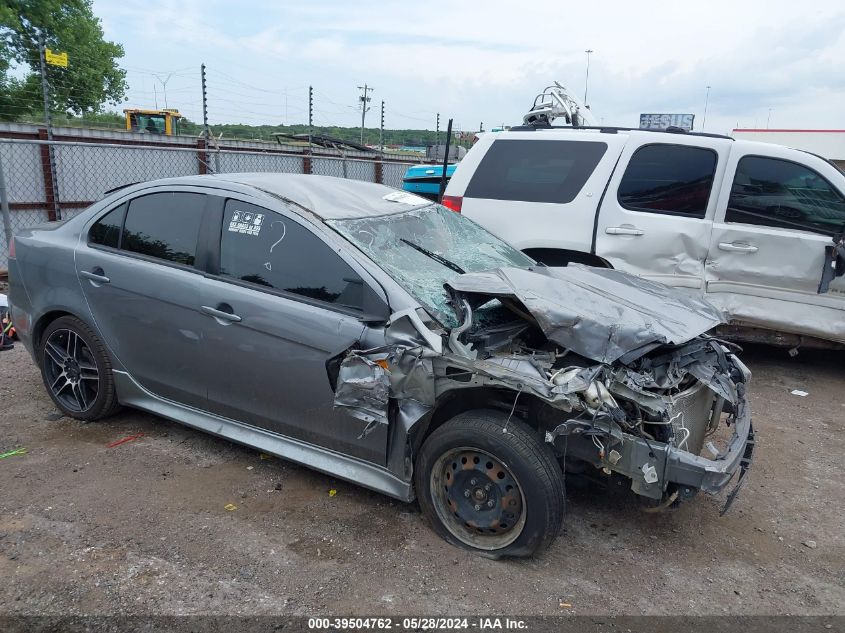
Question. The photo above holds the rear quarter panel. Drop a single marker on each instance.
(42, 277)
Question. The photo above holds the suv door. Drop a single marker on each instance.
(136, 269)
(777, 213)
(656, 216)
(280, 303)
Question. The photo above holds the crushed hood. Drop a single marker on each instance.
(598, 313)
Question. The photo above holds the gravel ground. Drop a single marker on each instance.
(142, 528)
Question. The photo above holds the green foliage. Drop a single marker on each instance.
(415, 138)
(92, 77)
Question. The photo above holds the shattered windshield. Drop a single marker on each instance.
(425, 247)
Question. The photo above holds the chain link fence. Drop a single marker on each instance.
(85, 171)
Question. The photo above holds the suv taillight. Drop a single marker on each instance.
(453, 202)
(12, 248)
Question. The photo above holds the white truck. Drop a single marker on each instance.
(755, 228)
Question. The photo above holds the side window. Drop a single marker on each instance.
(535, 171)
(270, 250)
(780, 193)
(164, 225)
(674, 179)
(106, 230)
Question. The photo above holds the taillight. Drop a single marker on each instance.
(12, 248)
(453, 202)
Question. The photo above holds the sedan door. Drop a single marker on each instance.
(777, 213)
(136, 269)
(280, 302)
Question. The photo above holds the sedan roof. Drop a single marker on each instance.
(327, 197)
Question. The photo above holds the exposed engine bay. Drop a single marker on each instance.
(612, 370)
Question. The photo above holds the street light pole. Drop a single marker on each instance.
(706, 101)
(587, 78)
(164, 86)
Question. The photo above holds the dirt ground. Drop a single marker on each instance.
(142, 528)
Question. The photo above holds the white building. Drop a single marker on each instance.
(829, 144)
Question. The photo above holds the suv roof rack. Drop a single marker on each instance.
(612, 129)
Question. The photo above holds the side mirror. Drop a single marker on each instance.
(834, 262)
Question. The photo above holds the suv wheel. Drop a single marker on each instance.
(490, 485)
(76, 370)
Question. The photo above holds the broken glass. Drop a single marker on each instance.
(389, 241)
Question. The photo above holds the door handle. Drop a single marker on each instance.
(220, 314)
(737, 248)
(623, 230)
(95, 275)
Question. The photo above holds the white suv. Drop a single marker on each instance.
(751, 226)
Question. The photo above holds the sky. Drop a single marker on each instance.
(776, 63)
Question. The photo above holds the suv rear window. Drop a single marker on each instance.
(535, 171)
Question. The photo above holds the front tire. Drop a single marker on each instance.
(76, 370)
(490, 485)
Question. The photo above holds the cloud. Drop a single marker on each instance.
(486, 62)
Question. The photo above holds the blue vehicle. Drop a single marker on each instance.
(424, 180)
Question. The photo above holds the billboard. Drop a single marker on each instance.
(662, 121)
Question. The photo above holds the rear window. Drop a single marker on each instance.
(535, 171)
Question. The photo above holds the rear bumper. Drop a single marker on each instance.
(20, 306)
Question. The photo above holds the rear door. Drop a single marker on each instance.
(778, 210)
(535, 189)
(657, 214)
(137, 271)
(280, 302)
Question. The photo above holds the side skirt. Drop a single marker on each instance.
(336, 464)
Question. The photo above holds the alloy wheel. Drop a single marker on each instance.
(72, 374)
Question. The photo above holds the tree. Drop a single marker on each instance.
(92, 77)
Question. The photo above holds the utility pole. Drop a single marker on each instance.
(381, 130)
(587, 79)
(365, 100)
(768, 118)
(481, 126)
(48, 121)
(437, 133)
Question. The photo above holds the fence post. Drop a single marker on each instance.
(202, 157)
(47, 170)
(306, 162)
(4, 205)
(379, 172)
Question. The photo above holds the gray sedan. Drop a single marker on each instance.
(374, 335)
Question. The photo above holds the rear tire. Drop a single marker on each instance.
(76, 370)
(490, 485)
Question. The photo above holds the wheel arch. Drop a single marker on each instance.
(562, 256)
(45, 320)
(458, 401)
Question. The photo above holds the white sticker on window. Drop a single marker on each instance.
(246, 222)
(405, 198)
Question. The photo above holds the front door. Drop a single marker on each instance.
(136, 269)
(777, 214)
(657, 213)
(281, 304)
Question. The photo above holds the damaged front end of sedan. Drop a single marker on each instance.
(612, 370)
